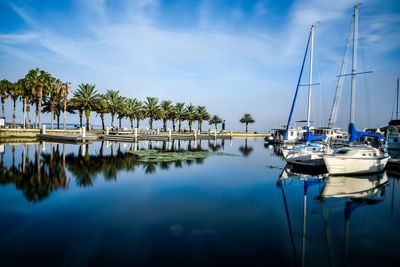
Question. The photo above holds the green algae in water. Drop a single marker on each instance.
(167, 156)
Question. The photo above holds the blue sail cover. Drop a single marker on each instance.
(310, 137)
(354, 135)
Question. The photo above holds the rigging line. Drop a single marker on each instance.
(320, 87)
(335, 105)
(367, 94)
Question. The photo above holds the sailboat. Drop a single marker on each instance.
(356, 159)
(309, 153)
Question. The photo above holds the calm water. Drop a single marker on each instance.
(96, 205)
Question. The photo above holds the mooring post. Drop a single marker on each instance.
(158, 131)
(169, 134)
(108, 130)
(215, 134)
(231, 134)
(83, 132)
(83, 150)
(43, 129)
(195, 135)
(44, 144)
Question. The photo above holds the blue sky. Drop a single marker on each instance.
(234, 57)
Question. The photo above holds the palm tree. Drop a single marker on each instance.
(14, 92)
(74, 104)
(102, 109)
(40, 82)
(190, 115)
(55, 92)
(215, 120)
(152, 110)
(166, 110)
(88, 98)
(201, 114)
(122, 111)
(247, 119)
(57, 105)
(172, 116)
(114, 102)
(180, 113)
(65, 90)
(25, 92)
(134, 110)
(5, 86)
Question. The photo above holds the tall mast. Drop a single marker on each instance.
(397, 103)
(310, 78)
(354, 65)
(332, 118)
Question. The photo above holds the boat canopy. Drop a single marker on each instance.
(310, 137)
(354, 135)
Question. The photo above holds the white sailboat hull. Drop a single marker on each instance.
(344, 165)
(306, 155)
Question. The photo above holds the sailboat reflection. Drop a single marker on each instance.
(358, 191)
(286, 179)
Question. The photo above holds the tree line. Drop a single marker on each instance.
(48, 94)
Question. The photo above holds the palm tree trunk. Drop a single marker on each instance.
(131, 119)
(216, 127)
(15, 100)
(65, 110)
(200, 122)
(173, 125)
(2, 105)
(102, 120)
(24, 110)
(137, 123)
(247, 127)
(180, 124)
(28, 110)
(87, 114)
(58, 121)
(52, 114)
(190, 126)
(36, 114)
(112, 119)
(151, 123)
(81, 116)
(165, 124)
(120, 122)
(40, 106)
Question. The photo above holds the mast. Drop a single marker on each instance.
(310, 78)
(397, 103)
(354, 65)
(332, 118)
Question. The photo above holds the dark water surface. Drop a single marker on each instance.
(97, 205)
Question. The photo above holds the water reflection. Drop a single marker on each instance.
(357, 191)
(36, 177)
(246, 150)
(322, 197)
(39, 175)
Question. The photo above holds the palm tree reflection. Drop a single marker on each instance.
(246, 150)
(38, 176)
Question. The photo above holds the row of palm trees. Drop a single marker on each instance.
(87, 99)
(36, 88)
(39, 88)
